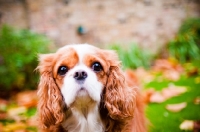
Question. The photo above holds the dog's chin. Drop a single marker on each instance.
(82, 98)
(82, 93)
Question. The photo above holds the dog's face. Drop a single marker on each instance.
(81, 73)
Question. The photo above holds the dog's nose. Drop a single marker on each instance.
(80, 75)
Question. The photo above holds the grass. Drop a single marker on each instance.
(132, 56)
(164, 121)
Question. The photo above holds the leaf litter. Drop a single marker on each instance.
(14, 115)
(153, 96)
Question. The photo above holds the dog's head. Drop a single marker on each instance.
(81, 74)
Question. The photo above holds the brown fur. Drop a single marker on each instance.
(121, 107)
(50, 104)
(122, 101)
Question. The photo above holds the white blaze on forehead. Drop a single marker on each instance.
(83, 49)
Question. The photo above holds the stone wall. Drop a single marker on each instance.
(150, 23)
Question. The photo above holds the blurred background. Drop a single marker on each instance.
(158, 42)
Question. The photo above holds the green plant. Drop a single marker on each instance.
(186, 45)
(18, 58)
(133, 56)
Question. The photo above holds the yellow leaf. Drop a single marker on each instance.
(197, 80)
(14, 126)
(16, 111)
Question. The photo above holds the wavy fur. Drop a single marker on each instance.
(50, 104)
(121, 106)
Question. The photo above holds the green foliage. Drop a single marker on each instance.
(186, 45)
(18, 58)
(133, 56)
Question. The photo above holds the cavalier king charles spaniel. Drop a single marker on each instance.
(83, 89)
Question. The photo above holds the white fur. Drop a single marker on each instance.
(71, 88)
(77, 122)
(82, 98)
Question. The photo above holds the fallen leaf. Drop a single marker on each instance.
(14, 127)
(162, 64)
(172, 75)
(3, 105)
(33, 121)
(197, 80)
(1, 126)
(143, 75)
(167, 64)
(187, 125)
(21, 130)
(27, 98)
(17, 113)
(170, 68)
(190, 69)
(157, 97)
(3, 115)
(197, 100)
(173, 90)
(190, 125)
(176, 107)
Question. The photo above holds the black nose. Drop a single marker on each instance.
(80, 75)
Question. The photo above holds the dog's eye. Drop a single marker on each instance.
(97, 67)
(62, 70)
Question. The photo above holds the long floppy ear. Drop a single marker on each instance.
(119, 98)
(50, 104)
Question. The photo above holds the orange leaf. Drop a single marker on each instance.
(27, 99)
(197, 100)
(14, 127)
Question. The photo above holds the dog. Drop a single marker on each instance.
(83, 89)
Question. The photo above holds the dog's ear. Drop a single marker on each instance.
(119, 98)
(50, 103)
